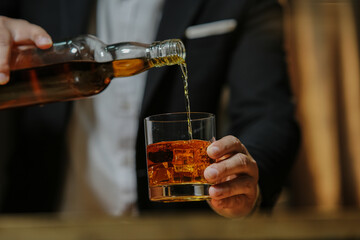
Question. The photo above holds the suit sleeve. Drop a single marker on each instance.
(261, 104)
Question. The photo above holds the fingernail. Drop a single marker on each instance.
(214, 192)
(43, 41)
(213, 150)
(3, 78)
(211, 173)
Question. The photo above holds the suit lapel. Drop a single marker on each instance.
(177, 16)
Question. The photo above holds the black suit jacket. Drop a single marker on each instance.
(249, 60)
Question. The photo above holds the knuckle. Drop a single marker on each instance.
(3, 20)
(242, 185)
(237, 144)
(36, 29)
(237, 162)
(238, 200)
(236, 141)
(22, 22)
(26, 30)
(224, 167)
(234, 201)
(241, 160)
(6, 21)
(4, 66)
(225, 203)
(231, 191)
(248, 186)
(5, 39)
(233, 141)
(222, 203)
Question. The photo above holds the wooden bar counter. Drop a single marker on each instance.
(304, 225)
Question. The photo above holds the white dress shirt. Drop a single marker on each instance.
(102, 131)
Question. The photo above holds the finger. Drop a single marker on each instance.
(18, 32)
(235, 165)
(25, 33)
(5, 46)
(242, 185)
(4, 77)
(235, 206)
(224, 146)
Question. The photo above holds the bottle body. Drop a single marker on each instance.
(80, 68)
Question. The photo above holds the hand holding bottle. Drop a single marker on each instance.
(235, 177)
(14, 33)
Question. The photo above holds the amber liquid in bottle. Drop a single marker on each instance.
(62, 82)
(56, 82)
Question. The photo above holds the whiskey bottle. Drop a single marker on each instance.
(80, 67)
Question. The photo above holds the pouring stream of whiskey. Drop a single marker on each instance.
(187, 100)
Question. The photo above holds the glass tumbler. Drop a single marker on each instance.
(176, 146)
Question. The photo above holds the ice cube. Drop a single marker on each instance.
(183, 160)
(160, 156)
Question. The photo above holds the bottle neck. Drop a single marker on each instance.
(165, 53)
(157, 54)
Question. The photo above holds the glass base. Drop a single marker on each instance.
(179, 193)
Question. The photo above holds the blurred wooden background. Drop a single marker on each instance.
(323, 52)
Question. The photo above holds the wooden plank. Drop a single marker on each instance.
(175, 227)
